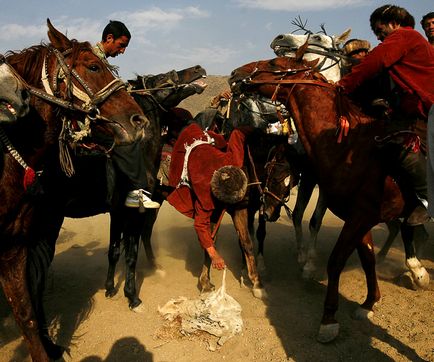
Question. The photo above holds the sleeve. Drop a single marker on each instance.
(382, 57)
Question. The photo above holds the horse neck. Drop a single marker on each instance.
(317, 126)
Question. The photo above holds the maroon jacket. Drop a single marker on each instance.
(197, 202)
(409, 60)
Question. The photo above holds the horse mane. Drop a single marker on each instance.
(30, 60)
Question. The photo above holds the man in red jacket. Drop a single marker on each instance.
(408, 59)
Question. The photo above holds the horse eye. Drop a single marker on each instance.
(94, 67)
(287, 181)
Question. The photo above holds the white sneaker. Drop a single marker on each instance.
(146, 201)
(135, 197)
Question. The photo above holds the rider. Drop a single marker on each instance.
(408, 60)
(355, 50)
(128, 158)
(427, 23)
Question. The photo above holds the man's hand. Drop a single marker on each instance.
(217, 261)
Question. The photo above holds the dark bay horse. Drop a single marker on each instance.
(155, 95)
(14, 98)
(98, 186)
(70, 86)
(341, 167)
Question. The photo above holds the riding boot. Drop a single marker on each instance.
(414, 167)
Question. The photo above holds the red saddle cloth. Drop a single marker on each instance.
(196, 201)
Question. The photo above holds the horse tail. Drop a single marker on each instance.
(39, 259)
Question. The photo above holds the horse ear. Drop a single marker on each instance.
(57, 39)
(301, 50)
(340, 39)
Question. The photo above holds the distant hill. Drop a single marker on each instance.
(199, 102)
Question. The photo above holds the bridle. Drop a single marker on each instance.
(169, 84)
(88, 99)
(282, 201)
(85, 101)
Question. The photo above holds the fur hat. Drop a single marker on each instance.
(355, 45)
(229, 184)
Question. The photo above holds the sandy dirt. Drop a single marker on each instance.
(281, 328)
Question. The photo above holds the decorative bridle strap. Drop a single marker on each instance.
(294, 81)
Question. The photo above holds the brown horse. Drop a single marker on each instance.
(70, 86)
(341, 167)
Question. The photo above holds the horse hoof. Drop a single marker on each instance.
(420, 277)
(327, 332)
(206, 288)
(110, 293)
(139, 309)
(160, 272)
(259, 293)
(307, 274)
(362, 314)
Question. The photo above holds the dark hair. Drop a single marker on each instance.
(426, 17)
(391, 13)
(116, 28)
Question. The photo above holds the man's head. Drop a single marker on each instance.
(427, 23)
(387, 18)
(356, 48)
(115, 38)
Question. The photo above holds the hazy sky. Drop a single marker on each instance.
(220, 35)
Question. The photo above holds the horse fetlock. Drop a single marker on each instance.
(327, 332)
(309, 270)
(413, 263)
(260, 264)
(301, 257)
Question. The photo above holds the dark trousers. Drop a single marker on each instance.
(130, 160)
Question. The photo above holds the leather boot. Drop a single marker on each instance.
(414, 166)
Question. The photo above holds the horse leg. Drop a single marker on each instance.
(367, 257)
(114, 253)
(420, 238)
(14, 281)
(350, 237)
(239, 218)
(419, 275)
(131, 242)
(305, 190)
(150, 218)
(261, 232)
(314, 226)
(394, 227)
(204, 283)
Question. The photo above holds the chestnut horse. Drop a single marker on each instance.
(341, 167)
(14, 98)
(70, 86)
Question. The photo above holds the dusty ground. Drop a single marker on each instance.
(281, 328)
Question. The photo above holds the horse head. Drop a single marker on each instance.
(168, 89)
(325, 47)
(78, 88)
(280, 178)
(14, 98)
